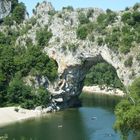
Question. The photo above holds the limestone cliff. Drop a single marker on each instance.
(5, 8)
(75, 56)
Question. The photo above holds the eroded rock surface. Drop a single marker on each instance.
(5, 8)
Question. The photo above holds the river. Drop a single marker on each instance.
(92, 121)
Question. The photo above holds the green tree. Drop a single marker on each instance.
(128, 112)
(43, 36)
(103, 74)
(19, 13)
(14, 3)
(18, 92)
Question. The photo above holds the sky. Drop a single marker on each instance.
(104, 4)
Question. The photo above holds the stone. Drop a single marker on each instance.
(5, 8)
(47, 110)
(58, 100)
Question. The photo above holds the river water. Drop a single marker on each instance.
(92, 121)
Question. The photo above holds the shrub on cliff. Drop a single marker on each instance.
(129, 62)
(83, 18)
(43, 36)
(82, 32)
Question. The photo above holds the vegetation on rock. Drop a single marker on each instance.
(17, 13)
(43, 36)
(119, 33)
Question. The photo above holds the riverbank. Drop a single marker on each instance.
(13, 114)
(10, 115)
(105, 90)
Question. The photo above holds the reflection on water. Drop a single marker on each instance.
(92, 121)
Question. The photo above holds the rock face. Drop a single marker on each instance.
(5, 8)
(74, 56)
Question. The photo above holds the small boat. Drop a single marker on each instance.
(94, 118)
(60, 126)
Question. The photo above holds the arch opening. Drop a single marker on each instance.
(71, 81)
(103, 74)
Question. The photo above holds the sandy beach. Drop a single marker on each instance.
(96, 89)
(9, 115)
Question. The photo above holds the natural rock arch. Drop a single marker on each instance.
(73, 67)
(74, 55)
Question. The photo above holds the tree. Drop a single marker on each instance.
(135, 87)
(127, 18)
(18, 92)
(103, 74)
(14, 3)
(128, 112)
(136, 16)
(42, 97)
(19, 13)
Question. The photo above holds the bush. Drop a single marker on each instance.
(18, 92)
(90, 13)
(138, 57)
(69, 8)
(100, 41)
(83, 19)
(72, 47)
(129, 62)
(112, 40)
(125, 49)
(16, 109)
(136, 16)
(91, 37)
(42, 97)
(43, 36)
(82, 32)
(108, 11)
(111, 18)
(33, 21)
(126, 17)
(8, 21)
(101, 18)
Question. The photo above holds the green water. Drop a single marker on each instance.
(92, 121)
